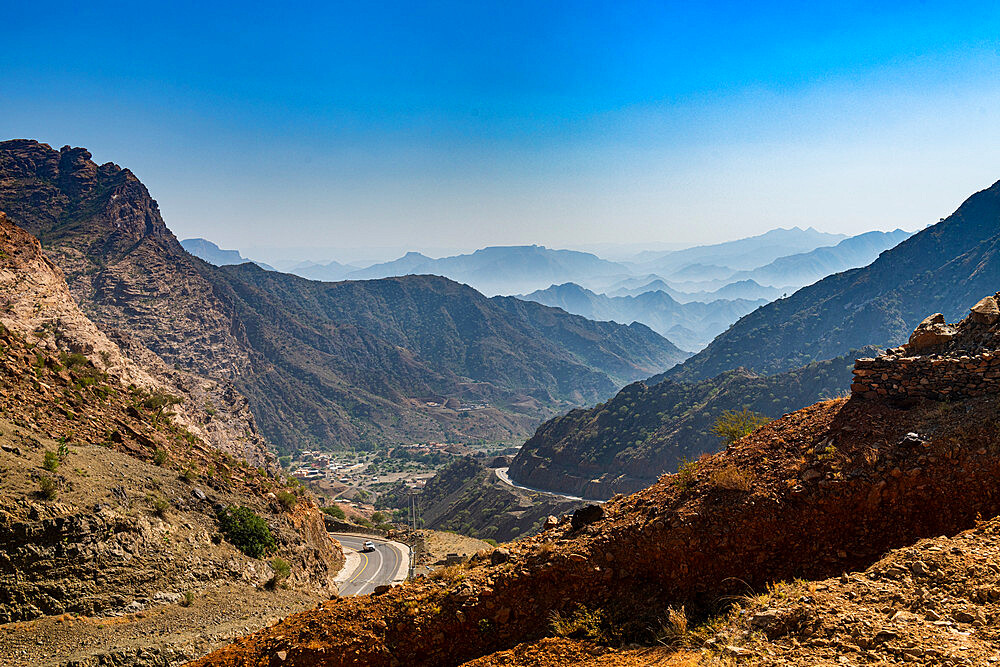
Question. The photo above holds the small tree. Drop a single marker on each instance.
(732, 425)
(246, 530)
(335, 512)
(51, 461)
(158, 402)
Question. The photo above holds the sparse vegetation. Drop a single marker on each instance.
(685, 477)
(287, 499)
(733, 425)
(282, 570)
(158, 505)
(246, 530)
(583, 623)
(673, 629)
(51, 461)
(160, 457)
(732, 478)
(188, 599)
(48, 488)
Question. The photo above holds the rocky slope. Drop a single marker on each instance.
(107, 507)
(109, 490)
(315, 370)
(945, 267)
(467, 497)
(37, 304)
(652, 427)
(822, 491)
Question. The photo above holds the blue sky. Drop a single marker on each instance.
(455, 125)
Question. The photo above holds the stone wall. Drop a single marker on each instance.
(940, 361)
(938, 377)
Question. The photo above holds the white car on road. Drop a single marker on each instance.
(369, 546)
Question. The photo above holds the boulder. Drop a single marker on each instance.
(499, 555)
(587, 515)
(931, 332)
(986, 311)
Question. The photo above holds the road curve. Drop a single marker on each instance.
(386, 564)
(504, 477)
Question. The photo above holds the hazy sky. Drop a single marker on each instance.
(563, 123)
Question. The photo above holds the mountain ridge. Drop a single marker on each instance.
(322, 383)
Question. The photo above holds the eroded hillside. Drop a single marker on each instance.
(827, 489)
(110, 498)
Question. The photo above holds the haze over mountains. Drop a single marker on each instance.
(780, 357)
(721, 282)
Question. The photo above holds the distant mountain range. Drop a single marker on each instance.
(709, 261)
(319, 364)
(689, 325)
(213, 254)
(944, 267)
(501, 269)
(808, 267)
(780, 357)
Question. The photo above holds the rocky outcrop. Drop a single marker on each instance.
(932, 332)
(941, 361)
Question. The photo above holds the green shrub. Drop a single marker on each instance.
(246, 530)
(159, 505)
(51, 461)
(490, 541)
(733, 425)
(73, 360)
(685, 477)
(335, 512)
(188, 599)
(48, 488)
(287, 499)
(282, 570)
(160, 457)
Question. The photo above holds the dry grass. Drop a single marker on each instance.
(449, 573)
(732, 478)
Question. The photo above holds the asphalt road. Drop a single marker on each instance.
(503, 476)
(376, 567)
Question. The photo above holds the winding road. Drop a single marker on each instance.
(503, 476)
(390, 562)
